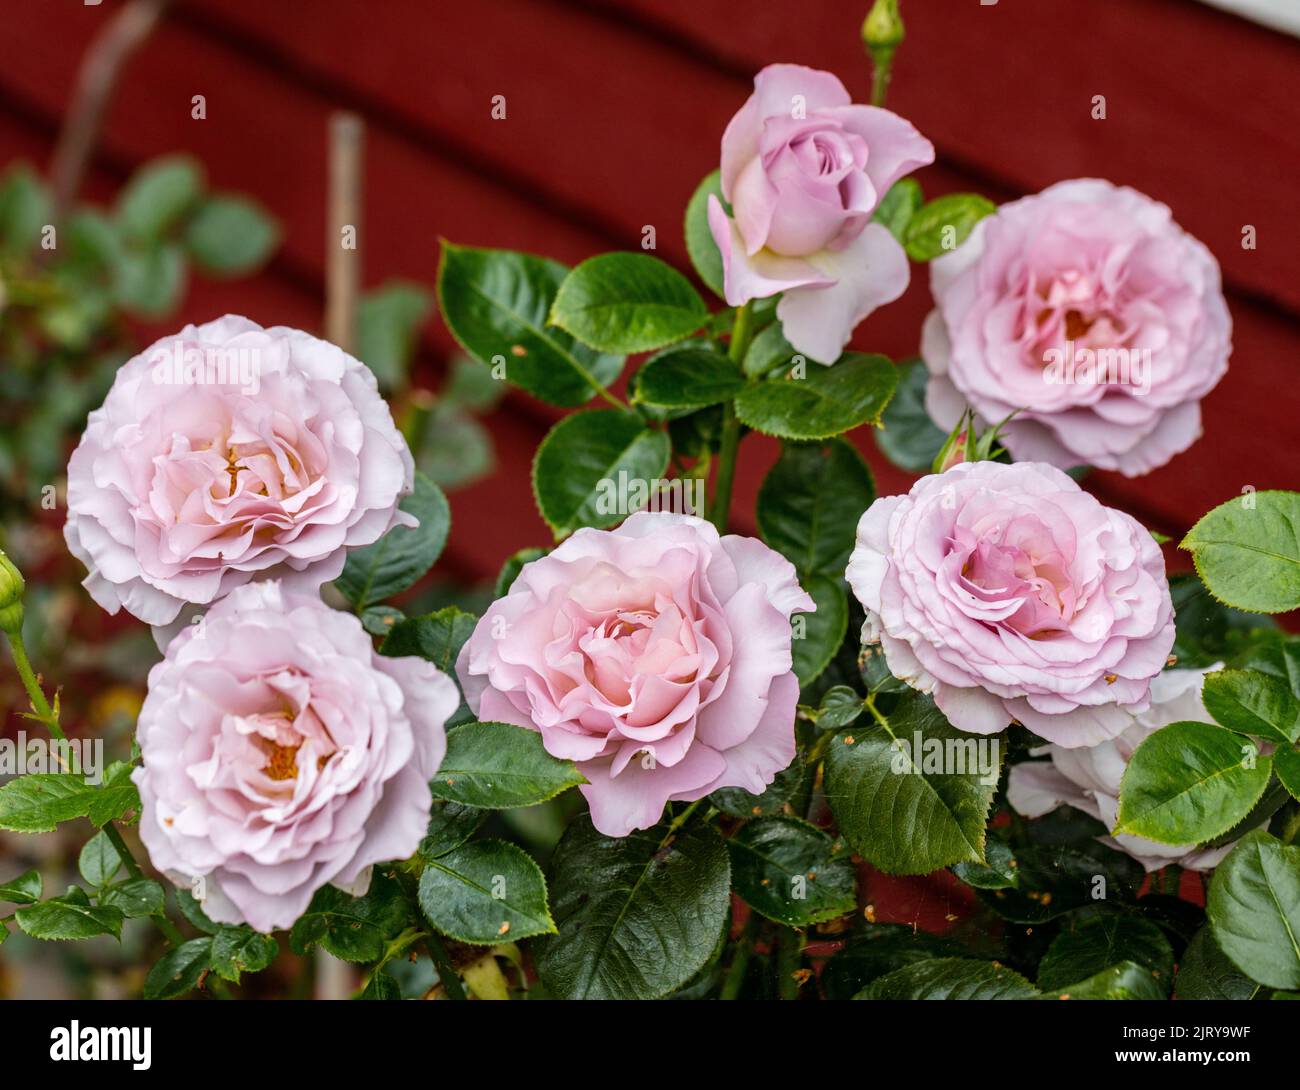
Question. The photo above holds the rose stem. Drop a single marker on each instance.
(740, 338)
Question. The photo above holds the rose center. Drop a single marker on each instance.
(281, 761)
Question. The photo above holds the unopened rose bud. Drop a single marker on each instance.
(12, 586)
(958, 447)
(957, 455)
(882, 30)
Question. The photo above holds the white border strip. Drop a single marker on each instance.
(1281, 15)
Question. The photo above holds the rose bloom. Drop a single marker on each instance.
(804, 168)
(226, 453)
(657, 656)
(1084, 280)
(1089, 779)
(281, 754)
(1012, 594)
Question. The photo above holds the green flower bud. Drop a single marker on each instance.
(11, 597)
(882, 31)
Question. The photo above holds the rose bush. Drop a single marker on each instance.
(752, 724)
(1087, 312)
(281, 753)
(656, 656)
(1089, 779)
(1009, 593)
(804, 168)
(228, 453)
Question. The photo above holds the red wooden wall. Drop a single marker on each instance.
(614, 112)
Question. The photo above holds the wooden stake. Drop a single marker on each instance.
(343, 237)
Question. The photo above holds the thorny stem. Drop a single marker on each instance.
(789, 955)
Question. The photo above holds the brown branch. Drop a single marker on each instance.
(98, 77)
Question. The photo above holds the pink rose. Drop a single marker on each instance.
(1091, 311)
(1089, 779)
(1010, 593)
(656, 655)
(282, 754)
(804, 169)
(227, 453)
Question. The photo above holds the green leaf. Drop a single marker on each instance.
(99, 860)
(899, 205)
(840, 706)
(1055, 879)
(810, 503)
(499, 766)
(399, 558)
(576, 472)
(1127, 980)
(178, 970)
(943, 224)
(907, 436)
(437, 637)
(1189, 782)
(496, 302)
(485, 892)
(1254, 908)
(897, 812)
(1286, 763)
(690, 377)
(1272, 652)
(738, 802)
(1247, 551)
(1206, 973)
(792, 872)
(824, 403)
(158, 196)
(69, 918)
(381, 620)
(998, 871)
(450, 825)
(768, 351)
(353, 928)
(704, 252)
(135, 898)
(193, 912)
(512, 567)
(1208, 632)
(238, 950)
(381, 986)
(25, 209)
(23, 890)
(879, 949)
(950, 978)
(638, 916)
(822, 631)
(38, 802)
(150, 282)
(231, 236)
(627, 302)
(1103, 942)
(388, 320)
(1254, 703)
